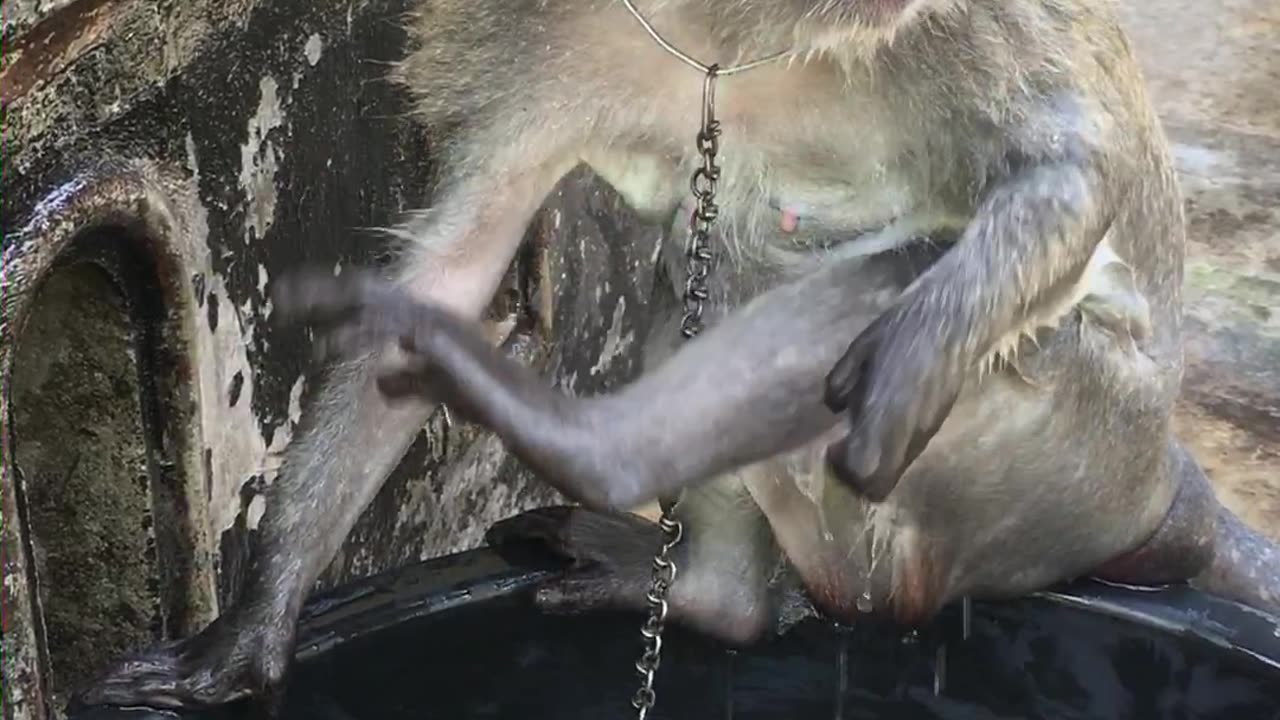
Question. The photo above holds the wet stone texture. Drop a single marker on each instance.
(77, 418)
(274, 140)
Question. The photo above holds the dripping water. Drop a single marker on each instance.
(842, 669)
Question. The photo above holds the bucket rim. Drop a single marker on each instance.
(368, 605)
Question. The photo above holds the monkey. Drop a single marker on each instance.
(943, 340)
(612, 452)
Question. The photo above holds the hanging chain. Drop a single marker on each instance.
(703, 184)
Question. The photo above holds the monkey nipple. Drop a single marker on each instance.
(790, 221)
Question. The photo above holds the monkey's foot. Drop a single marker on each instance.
(898, 382)
(611, 554)
(226, 662)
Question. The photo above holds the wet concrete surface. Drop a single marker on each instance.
(1213, 71)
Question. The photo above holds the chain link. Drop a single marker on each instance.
(703, 183)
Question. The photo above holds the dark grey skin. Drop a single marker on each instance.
(1014, 133)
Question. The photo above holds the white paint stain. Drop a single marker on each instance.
(259, 161)
(615, 343)
(313, 49)
(257, 506)
(232, 433)
(295, 399)
(192, 163)
(263, 279)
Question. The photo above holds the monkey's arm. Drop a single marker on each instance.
(1028, 244)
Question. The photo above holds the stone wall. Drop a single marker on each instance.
(164, 160)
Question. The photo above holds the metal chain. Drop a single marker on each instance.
(703, 184)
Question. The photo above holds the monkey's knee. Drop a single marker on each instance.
(1113, 299)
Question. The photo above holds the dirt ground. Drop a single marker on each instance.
(1213, 70)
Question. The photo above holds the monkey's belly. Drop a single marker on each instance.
(1023, 486)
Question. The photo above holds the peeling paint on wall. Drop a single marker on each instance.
(236, 448)
(231, 429)
(325, 148)
(313, 49)
(259, 161)
(618, 338)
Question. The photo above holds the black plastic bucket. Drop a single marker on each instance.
(458, 639)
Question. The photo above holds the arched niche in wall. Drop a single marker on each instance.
(106, 545)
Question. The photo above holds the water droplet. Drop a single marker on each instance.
(940, 670)
(864, 603)
(842, 671)
(728, 684)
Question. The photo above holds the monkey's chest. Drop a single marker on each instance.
(837, 206)
(864, 209)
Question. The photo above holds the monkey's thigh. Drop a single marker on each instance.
(1043, 473)
(1034, 478)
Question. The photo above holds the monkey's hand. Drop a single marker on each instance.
(897, 381)
(355, 312)
(1031, 236)
(446, 358)
(360, 312)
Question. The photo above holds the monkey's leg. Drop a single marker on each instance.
(724, 560)
(1245, 565)
(351, 439)
(1202, 540)
(746, 389)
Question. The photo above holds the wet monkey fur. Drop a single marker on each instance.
(944, 335)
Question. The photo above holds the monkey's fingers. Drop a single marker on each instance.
(350, 340)
(371, 327)
(846, 383)
(579, 591)
(611, 553)
(414, 381)
(890, 432)
(872, 457)
(866, 460)
(197, 673)
(316, 296)
(861, 465)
